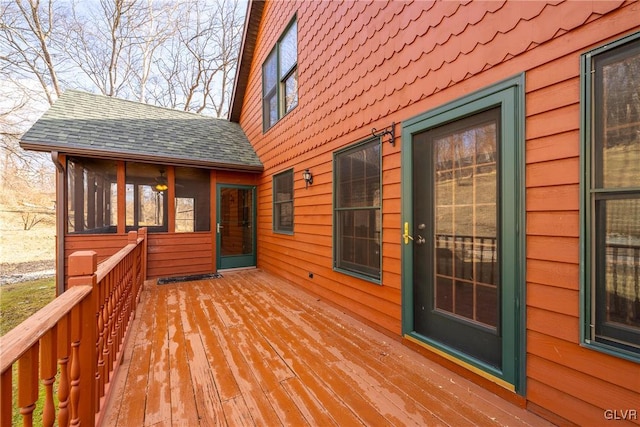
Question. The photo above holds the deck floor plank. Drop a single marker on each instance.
(157, 396)
(207, 401)
(251, 349)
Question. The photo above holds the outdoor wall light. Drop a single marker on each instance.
(308, 178)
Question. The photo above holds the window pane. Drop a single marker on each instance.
(618, 295)
(92, 196)
(291, 92)
(283, 201)
(615, 239)
(619, 98)
(270, 73)
(358, 213)
(289, 50)
(272, 103)
(359, 176)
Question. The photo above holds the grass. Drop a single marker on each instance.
(18, 302)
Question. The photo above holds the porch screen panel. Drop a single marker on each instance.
(91, 196)
(193, 200)
(146, 204)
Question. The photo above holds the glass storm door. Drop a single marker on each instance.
(235, 229)
(457, 256)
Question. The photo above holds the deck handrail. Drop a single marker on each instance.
(76, 340)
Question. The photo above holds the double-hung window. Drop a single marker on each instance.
(283, 202)
(611, 202)
(280, 78)
(357, 210)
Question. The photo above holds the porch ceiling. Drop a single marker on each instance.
(85, 124)
(251, 349)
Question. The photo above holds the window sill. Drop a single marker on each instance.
(375, 281)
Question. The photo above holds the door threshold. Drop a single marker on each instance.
(481, 373)
(230, 270)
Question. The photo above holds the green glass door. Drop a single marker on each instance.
(235, 228)
(456, 258)
(463, 248)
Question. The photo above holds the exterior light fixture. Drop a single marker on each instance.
(308, 178)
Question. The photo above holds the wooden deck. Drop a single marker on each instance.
(251, 349)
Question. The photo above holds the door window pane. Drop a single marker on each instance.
(465, 218)
(236, 235)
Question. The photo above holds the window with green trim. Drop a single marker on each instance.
(611, 243)
(280, 78)
(283, 202)
(357, 209)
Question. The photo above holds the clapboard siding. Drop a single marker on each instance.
(104, 245)
(176, 254)
(364, 65)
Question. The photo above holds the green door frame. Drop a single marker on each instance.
(509, 95)
(235, 261)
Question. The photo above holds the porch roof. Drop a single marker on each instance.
(80, 123)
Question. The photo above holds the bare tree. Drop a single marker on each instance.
(197, 66)
(26, 36)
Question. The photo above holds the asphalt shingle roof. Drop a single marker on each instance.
(95, 125)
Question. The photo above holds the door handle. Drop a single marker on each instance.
(219, 227)
(406, 235)
(418, 240)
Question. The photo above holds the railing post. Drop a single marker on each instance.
(144, 235)
(84, 384)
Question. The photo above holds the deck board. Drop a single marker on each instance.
(250, 349)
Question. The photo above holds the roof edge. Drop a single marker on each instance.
(249, 37)
(170, 161)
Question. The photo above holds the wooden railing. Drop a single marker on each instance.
(76, 340)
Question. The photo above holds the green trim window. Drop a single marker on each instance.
(358, 210)
(283, 202)
(280, 78)
(611, 202)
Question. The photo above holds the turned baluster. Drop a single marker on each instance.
(48, 371)
(100, 373)
(74, 373)
(64, 347)
(28, 384)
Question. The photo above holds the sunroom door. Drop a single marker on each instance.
(235, 228)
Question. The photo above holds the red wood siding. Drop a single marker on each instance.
(104, 245)
(363, 65)
(179, 254)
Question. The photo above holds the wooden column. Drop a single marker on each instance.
(122, 198)
(213, 202)
(171, 199)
